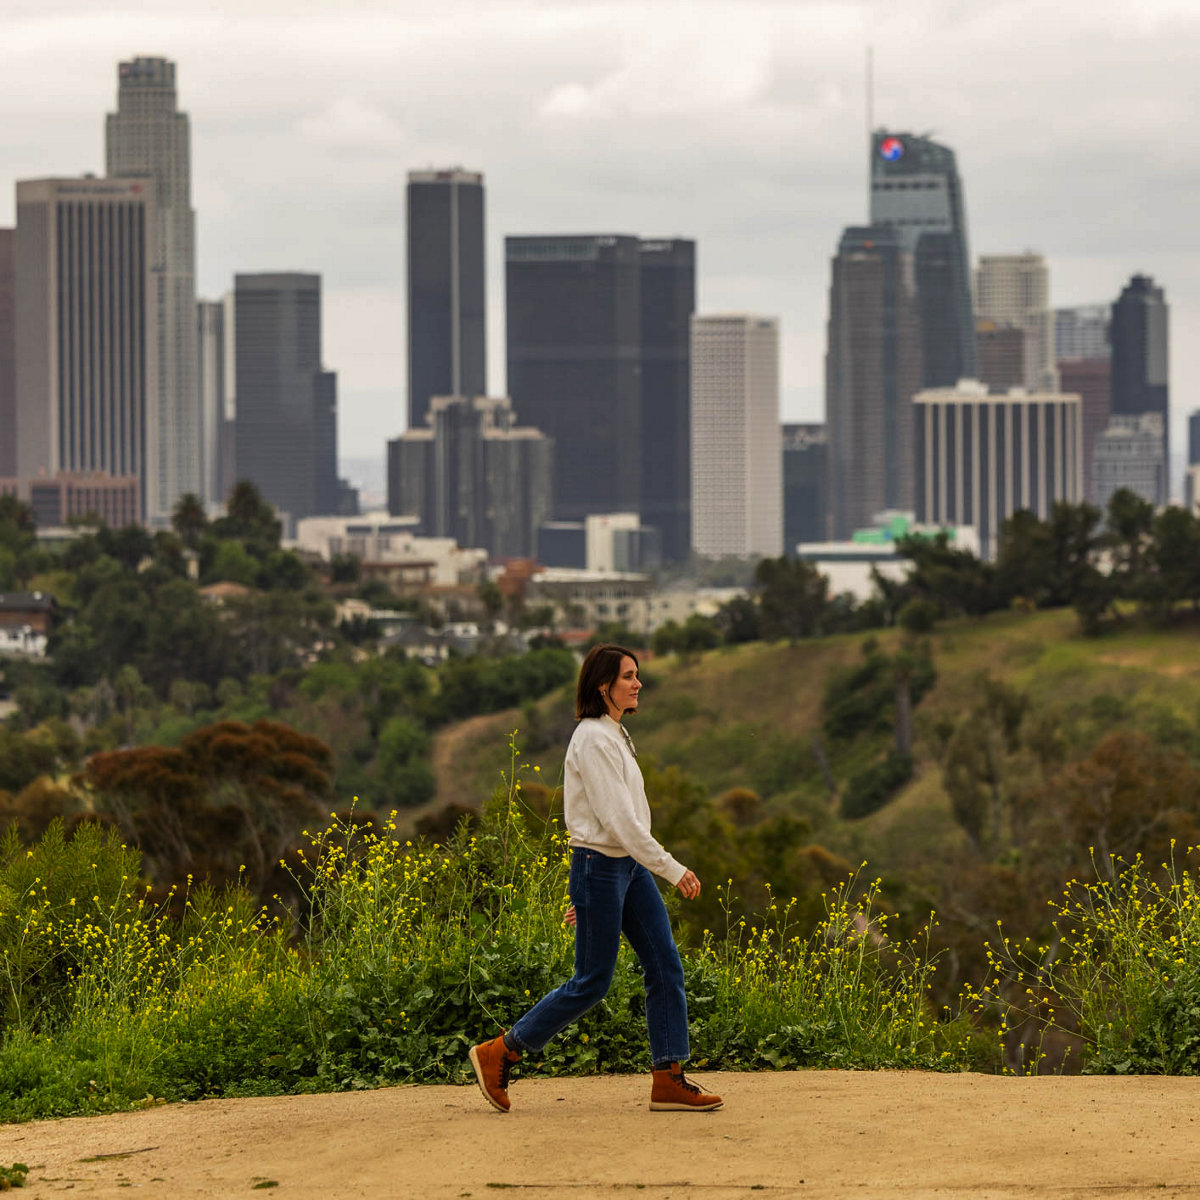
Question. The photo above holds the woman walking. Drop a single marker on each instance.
(613, 863)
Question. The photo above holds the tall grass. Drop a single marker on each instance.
(398, 957)
(1122, 973)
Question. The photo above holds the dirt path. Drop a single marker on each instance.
(809, 1134)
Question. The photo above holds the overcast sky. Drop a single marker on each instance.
(740, 123)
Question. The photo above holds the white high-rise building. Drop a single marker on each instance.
(148, 137)
(86, 331)
(1014, 289)
(737, 446)
(982, 457)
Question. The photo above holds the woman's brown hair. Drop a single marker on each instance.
(600, 670)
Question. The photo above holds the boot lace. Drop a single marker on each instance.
(505, 1072)
(685, 1083)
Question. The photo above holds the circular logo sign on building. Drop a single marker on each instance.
(891, 148)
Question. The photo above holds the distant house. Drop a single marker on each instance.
(26, 619)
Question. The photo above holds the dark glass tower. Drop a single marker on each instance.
(915, 187)
(8, 353)
(668, 299)
(804, 458)
(447, 353)
(1138, 334)
(574, 319)
(872, 370)
(286, 426)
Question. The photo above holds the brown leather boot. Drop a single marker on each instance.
(672, 1092)
(492, 1062)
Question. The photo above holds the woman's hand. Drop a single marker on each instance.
(689, 885)
(569, 916)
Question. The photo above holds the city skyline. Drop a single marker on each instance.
(745, 131)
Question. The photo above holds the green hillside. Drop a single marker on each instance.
(742, 719)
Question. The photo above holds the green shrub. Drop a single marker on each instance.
(870, 790)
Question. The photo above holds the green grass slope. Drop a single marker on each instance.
(745, 716)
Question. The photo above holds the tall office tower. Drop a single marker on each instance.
(872, 370)
(474, 475)
(1129, 454)
(737, 450)
(1138, 334)
(214, 323)
(574, 361)
(1002, 356)
(147, 138)
(285, 438)
(447, 312)
(915, 187)
(1014, 289)
(1091, 380)
(1082, 331)
(8, 350)
(980, 458)
(87, 334)
(668, 299)
(804, 485)
(1194, 437)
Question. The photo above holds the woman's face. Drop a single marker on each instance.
(621, 695)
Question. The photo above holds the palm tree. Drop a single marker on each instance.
(189, 519)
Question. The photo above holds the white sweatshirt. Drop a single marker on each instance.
(604, 799)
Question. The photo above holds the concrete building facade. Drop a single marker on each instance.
(148, 138)
(1014, 289)
(737, 454)
(1082, 331)
(87, 331)
(1091, 380)
(1129, 454)
(447, 295)
(980, 458)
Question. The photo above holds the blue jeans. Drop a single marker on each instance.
(614, 896)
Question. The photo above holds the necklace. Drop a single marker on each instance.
(628, 739)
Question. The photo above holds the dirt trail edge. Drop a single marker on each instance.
(809, 1134)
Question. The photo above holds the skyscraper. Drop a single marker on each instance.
(1138, 334)
(447, 352)
(215, 383)
(872, 370)
(8, 350)
(1014, 289)
(286, 427)
(668, 299)
(1082, 331)
(87, 334)
(1129, 455)
(980, 457)
(1091, 380)
(574, 322)
(737, 452)
(147, 137)
(804, 455)
(1002, 356)
(915, 187)
(472, 474)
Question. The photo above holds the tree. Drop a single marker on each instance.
(1129, 524)
(230, 795)
(793, 597)
(189, 519)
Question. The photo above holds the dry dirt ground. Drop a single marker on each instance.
(808, 1134)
